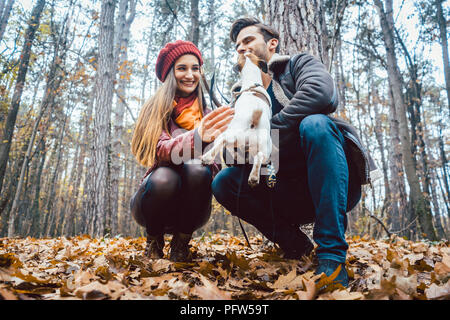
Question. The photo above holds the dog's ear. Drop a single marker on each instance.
(262, 65)
(240, 63)
(236, 68)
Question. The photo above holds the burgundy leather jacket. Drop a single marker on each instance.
(176, 141)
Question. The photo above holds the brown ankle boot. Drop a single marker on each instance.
(179, 248)
(155, 246)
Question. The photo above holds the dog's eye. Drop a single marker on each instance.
(252, 126)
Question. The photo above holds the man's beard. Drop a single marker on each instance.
(261, 52)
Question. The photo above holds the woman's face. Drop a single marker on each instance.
(187, 74)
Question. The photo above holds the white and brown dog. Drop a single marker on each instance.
(250, 126)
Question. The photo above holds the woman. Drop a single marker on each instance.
(175, 198)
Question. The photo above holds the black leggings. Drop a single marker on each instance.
(176, 199)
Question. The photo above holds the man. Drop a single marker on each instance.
(322, 163)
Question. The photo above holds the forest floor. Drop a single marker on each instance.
(224, 267)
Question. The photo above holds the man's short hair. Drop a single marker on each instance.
(267, 31)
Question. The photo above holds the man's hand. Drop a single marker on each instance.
(214, 123)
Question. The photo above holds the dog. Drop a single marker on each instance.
(250, 126)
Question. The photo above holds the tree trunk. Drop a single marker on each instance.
(211, 14)
(34, 228)
(378, 128)
(150, 43)
(444, 161)
(414, 106)
(5, 144)
(5, 12)
(83, 224)
(444, 44)
(99, 190)
(194, 34)
(302, 27)
(123, 37)
(395, 159)
(420, 206)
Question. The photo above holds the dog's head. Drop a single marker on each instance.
(253, 58)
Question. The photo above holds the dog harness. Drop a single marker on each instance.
(257, 89)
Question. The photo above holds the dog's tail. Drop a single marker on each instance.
(255, 117)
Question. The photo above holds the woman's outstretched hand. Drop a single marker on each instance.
(214, 123)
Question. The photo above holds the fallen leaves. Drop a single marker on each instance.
(84, 268)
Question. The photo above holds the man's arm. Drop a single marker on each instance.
(315, 92)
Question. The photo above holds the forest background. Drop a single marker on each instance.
(74, 74)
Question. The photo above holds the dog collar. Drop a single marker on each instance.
(257, 89)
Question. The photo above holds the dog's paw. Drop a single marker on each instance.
(253, 181)
(207, 159)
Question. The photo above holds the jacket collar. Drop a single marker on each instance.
(277, 63)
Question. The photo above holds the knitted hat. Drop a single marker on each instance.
(171, 52)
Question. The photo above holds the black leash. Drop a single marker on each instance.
(212, 97)
(237, 208)
(210, 88)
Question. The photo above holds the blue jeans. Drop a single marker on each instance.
(323, 193)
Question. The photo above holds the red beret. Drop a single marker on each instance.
(171, 52)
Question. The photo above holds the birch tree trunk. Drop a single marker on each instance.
(6, 140)
(98, 205)
(419, 204)
(124, 71)
(444, 44)
(301, 25)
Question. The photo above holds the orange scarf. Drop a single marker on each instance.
(186, 112)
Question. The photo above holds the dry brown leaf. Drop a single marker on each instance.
(443, 268)
(7, 295)
(162, 265)
(209, 290)
(438, 292)
(419, 247)
(96, 290)
(407, 284)
(310, 291)
(341, 295)
(284, 281)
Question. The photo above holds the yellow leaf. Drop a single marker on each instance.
(328, 280)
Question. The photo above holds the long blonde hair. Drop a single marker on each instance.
(154, 118)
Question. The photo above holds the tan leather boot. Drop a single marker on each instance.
(179, 248)
(154, 248)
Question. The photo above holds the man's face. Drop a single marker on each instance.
(251, 40)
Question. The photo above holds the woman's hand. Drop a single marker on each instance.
(214, 123)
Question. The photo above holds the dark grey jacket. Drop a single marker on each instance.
(304, 87)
